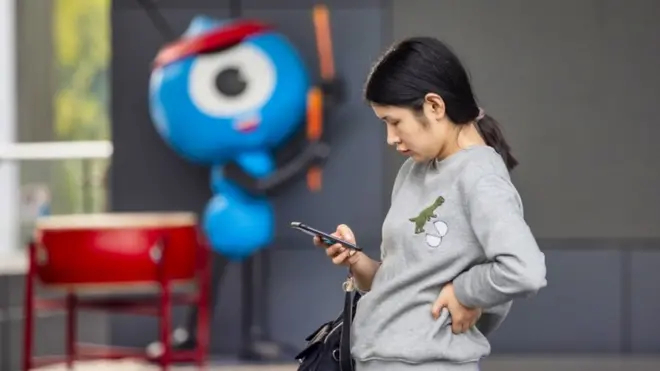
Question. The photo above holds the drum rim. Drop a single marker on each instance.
(116, 220)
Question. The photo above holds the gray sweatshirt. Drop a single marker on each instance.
(461, 220)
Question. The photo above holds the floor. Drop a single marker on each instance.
(493, 364)
(128, 365)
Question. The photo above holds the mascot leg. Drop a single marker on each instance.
(237, 225)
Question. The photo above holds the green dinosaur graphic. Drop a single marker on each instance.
(426, 215)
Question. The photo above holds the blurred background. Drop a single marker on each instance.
(574, 83)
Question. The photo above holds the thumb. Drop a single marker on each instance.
(437, 307)
(346, 233)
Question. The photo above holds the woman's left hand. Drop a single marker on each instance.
(462, 317)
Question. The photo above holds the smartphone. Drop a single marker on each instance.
(326, 238)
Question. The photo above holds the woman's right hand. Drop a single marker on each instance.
(339, 254)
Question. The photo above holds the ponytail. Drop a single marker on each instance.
(490, 130)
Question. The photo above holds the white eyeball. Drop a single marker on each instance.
(232, 82)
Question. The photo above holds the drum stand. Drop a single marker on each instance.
(159, 306)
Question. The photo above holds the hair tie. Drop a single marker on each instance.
(481, 115)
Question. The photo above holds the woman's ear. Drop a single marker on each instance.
(434, 106)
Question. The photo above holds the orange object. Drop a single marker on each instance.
(321, 16)
(314, 178)
(314, 131)
(314, 114)
(324, 41)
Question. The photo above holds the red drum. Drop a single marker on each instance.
(116, 249)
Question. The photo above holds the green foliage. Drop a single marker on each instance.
(81, 39)
(82, 47)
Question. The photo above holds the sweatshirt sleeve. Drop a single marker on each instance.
(515, 265)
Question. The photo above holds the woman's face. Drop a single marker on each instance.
(422, 136)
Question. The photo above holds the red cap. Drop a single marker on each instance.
(222, 37)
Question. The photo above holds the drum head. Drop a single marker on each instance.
(116, 220)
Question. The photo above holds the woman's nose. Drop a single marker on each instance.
(392, 139)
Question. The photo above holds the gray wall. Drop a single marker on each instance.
(568, 82)
(302, 281)
(575, 85)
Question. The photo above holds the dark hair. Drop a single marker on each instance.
(417, 66)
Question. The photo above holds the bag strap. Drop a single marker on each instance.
(345, 358)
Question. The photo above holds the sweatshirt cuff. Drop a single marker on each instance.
(461, 293)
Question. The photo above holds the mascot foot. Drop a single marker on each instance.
(238, 227)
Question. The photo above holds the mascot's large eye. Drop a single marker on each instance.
(232, 82)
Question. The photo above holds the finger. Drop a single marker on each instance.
(476, 319)
(455, 327)
(346, 233)
(457, 323)
(458, 327)
(464, 328)
(437, 306)
(319, 242)
(334, 250)
(340, 257)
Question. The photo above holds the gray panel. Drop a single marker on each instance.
(5, 325)
(267, 6)
(356, 135)
(16, 287)
(554, 74)
(143, 167)
(305, 292)
(645, 301)
(49, 340)
(392, 160)
(568, 363)
(585, 276)
(146, 174)
(630, 86)
(50, 336)
(36, 75)
(302, 280)
(579, 310)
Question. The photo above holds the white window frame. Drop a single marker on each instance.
(8, 106)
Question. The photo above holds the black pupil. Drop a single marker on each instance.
(230, 82)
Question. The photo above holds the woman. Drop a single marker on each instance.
(456, 249)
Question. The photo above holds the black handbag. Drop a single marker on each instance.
(329, 347)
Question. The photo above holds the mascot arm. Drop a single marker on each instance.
(256, 173)
(258, 164)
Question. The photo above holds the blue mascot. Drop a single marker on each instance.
(226, 95)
